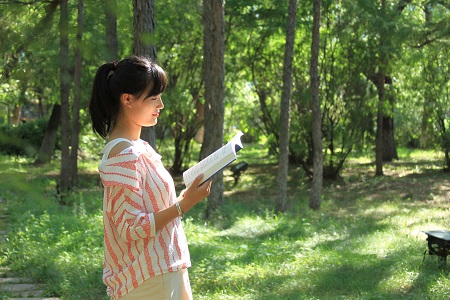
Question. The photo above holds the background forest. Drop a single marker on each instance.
(384, 92)
(407, 41)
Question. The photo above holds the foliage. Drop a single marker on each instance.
(436, 95)
(356, 37)
(24, 139)
(254, 56)
(366, 242)
(348, 99)
(180, 54)
(422, 113)
(48, 243)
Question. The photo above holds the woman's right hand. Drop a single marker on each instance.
(194, 193)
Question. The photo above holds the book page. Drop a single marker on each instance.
(211, 163)
(215, 161)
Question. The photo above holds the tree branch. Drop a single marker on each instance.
(433, 34)
(445, 4)
(51, 8)
(25, 2)
(402, 4)
(423, 44)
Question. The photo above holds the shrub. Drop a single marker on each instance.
(22, 140)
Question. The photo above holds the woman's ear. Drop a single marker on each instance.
(125, 99)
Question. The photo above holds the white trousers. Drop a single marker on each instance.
(168, 286)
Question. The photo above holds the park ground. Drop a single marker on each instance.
(365, 242)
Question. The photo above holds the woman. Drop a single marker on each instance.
(146, 253)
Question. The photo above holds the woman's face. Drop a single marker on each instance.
(144, 111)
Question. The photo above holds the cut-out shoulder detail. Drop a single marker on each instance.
(107, 150)
(116, 148)
(119, 148)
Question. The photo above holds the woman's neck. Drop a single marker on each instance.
(125, 132)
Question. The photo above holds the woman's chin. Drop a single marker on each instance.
(150, 124)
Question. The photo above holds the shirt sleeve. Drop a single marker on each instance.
(124, 170)
(124, 177)
(126, 210)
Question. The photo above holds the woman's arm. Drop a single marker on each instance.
(133, 223)
(187, 200)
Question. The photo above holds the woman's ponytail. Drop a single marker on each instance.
(102, 106)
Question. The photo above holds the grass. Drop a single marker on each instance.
(365, 242)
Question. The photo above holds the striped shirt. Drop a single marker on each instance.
(136, 185)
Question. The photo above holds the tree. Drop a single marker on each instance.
(436, 80)
(345, 94)
(78, 61)
(387, 47)
(19, 52)
(144, 26)
(12, 59)
(214, 77)
(285, 110)
(316, 191)
(51, 133)
(181, 55)
(65, 176)
(257, 36)
(111, 29)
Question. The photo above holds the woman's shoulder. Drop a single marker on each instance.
(119, 148)
(130, 165)
(128, 150)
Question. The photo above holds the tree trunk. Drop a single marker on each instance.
(427, 127)
(389, 147)
(178, 159)
(40, 98)
(111, 29)
(316, 190)
(14, 117)
(385, 148)
(214, 77)
(65, 178)
(380, 80)
(380, 119)
(144, 26)
(285, 109)
(445, 141)
(51, 133)
(77, 96)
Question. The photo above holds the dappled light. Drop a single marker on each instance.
(344, 110)
(366, 240)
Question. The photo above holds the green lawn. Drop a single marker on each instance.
(366, 241)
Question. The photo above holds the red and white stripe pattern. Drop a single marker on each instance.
(137, 185)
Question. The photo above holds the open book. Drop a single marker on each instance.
(215, 162)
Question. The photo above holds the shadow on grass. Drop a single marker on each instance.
(246, 248)
(424, 186)
(332, 239)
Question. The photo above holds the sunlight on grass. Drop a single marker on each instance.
(381, 210)
(365, 242)
(419, 154)
(250, 227)
(88, 165)
(359, 160)
(399, 281)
